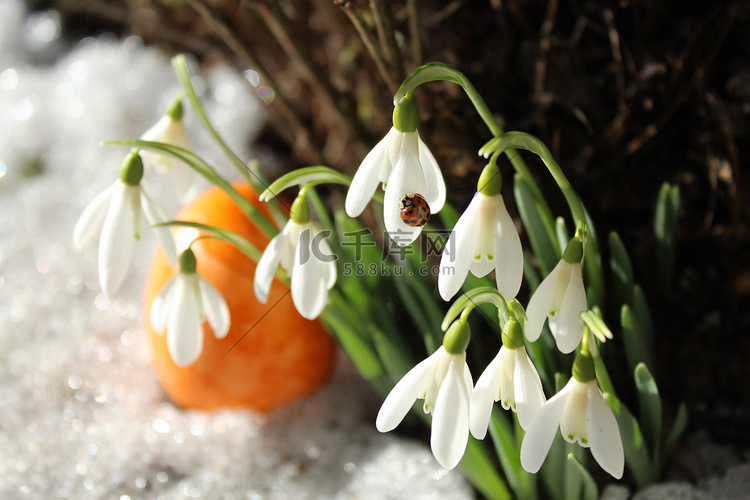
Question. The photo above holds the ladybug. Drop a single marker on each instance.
(415, 211)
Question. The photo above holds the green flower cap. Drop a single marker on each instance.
(131, 170)
(175, 109)
(583, 367)
(187, 262)
(406, 115)
(512, 334)
(300, 212)
(490, 181)
(573, 252)
(456, 339)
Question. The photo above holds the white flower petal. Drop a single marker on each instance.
(604, 434)
(568, 331)
(403, 395)
(528, 389)
(573, 421)
(450, 418)
(309, 278)
(542, 430)
(329, 265)
(185, 328)
(91, 220)
(160, 307)
(486, 392)
(457, 255)
(406, 177)
(435, 184)
(267, 266)
(366, 178)
(508, 253)
(118, 238)
(217, 311)
(540, 304)
(155, 215)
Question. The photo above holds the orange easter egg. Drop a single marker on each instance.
(271, 355)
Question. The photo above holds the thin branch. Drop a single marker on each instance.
(297, 50)
(415, 31)
(302, 134)
(370, 44)
(387, 37)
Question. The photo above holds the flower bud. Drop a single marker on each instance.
(131, 171)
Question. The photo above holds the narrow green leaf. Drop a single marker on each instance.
(361, 353)
(636, 452)
(414, 309)
(666, 223)
(642, 314)
(678, 427)
(622, 270)
(636, 350)
(541, 229)
(589, 489)
(393, 353)
(507, 447)
(561, 230)
(310, 176)
(649, 405)
(480, 470)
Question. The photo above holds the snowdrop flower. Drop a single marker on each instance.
(402, 162)
(561, 297)
(483, 239)
(444, 382)
(116, 213)
(184, 303)
(582, 414)
(303, 252)
(509, 378)
(170, 129)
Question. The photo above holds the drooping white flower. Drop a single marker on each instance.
(561, 298)
(307, 258)
(115, 215)
(404, 164)
(444, 382)
(483, 239)
(510, 378)
(182, 306)
(582, 415)
(170, 129)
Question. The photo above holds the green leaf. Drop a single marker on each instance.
(642, 314)
(649, 405)
(310, 176)
(481, 472)
(678, 427)
(360, 352)
(540, 228)
(507, 449)
(622, 270)
(589, 489)
(561, 230)
(636, 350)
(393, 353)
(636, 452)
(666, 223)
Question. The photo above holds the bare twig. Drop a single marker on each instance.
(271, 14)
(415, 32)
(300, 132)
(544, 46)
(370, 44)
(387, 37)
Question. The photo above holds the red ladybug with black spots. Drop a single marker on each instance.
(415, 211)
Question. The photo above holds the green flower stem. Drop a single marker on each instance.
(521, 140)
(179, 64)
(439, 71)
(199, 165)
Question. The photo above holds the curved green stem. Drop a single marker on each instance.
(179, 63)
(521, 140)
